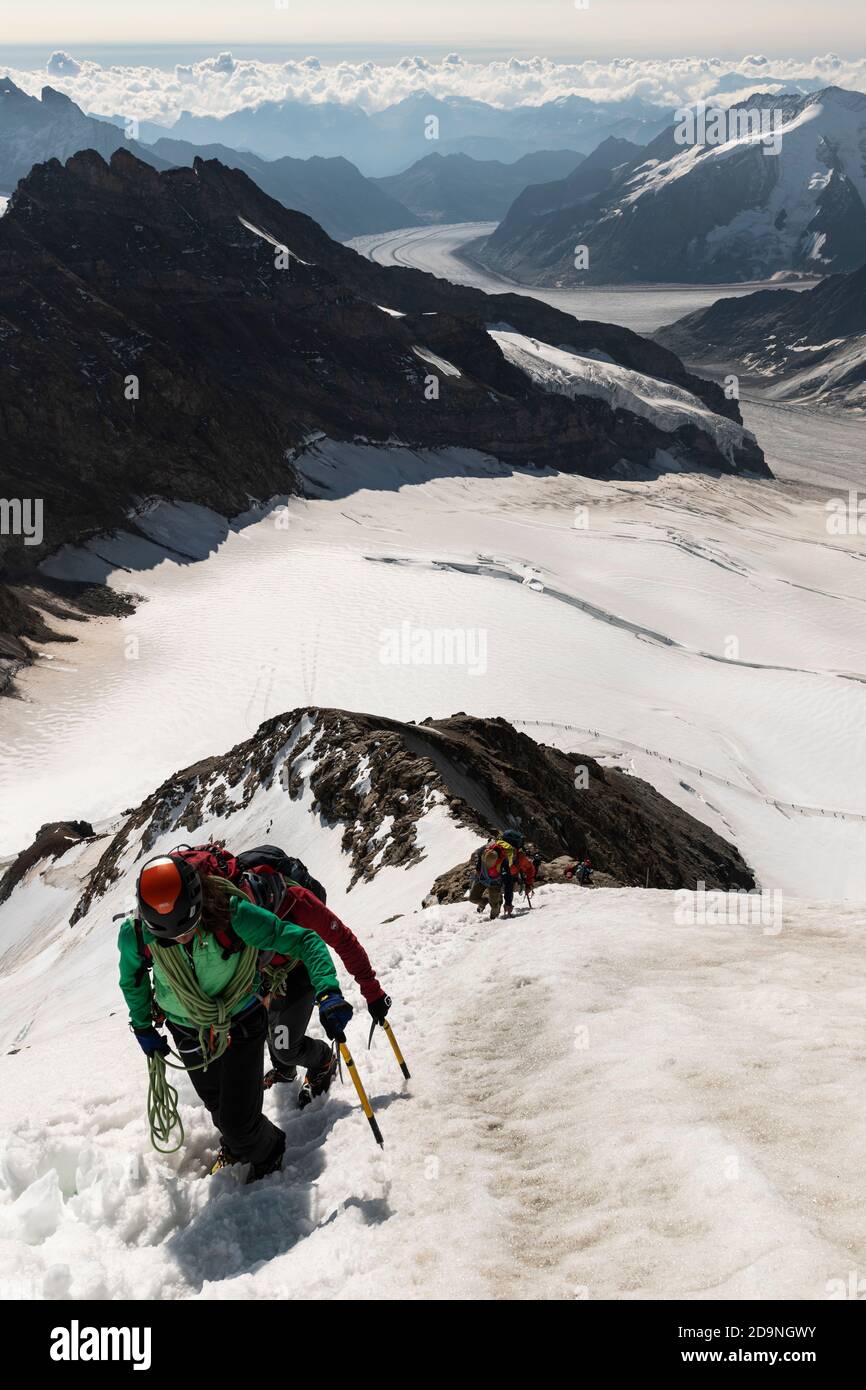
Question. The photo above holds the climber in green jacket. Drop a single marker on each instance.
(201, 939)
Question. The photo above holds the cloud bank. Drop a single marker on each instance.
(215, 86)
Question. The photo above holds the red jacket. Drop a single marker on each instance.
(494, 859)
(306, 910)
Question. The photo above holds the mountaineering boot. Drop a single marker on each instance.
(272, 1163)
(277, 1075)
(318, 1082)
(224, 1159)
(508, 909)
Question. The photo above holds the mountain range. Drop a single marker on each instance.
(177, 334)
(332, 191)
(386, 141)
(327, 187)
(458, 188)
(723, 212)
(807, 346)
(53, 127)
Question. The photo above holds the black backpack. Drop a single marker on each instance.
(273, 858)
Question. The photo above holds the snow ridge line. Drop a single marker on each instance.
(794, 806)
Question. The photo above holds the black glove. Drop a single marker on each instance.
(334, 1014)
(378, 1008)
(151, 1042)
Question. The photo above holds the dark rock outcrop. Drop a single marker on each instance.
(33, 129)
(51, 842)
(156, 341)
(377, 778)
(807, 345)
(331, 191)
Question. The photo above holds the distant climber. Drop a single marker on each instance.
(580, 872)
(202, 939)
(497, 866)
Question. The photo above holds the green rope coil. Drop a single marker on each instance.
(211, 1016)
(163, 1115)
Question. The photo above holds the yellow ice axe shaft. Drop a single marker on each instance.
(362, 1094)
(397, 1053)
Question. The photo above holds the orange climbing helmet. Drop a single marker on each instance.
(169, 896)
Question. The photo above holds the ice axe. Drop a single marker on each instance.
(362, 1094)
(389, 1033)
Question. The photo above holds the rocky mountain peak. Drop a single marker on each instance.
(390, 792)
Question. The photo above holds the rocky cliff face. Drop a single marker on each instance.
(540, 204)
(177, 334)
(383, 786)
(53, 127)
(808, 346)
(722, 210)
(51, 842)
(331, 191)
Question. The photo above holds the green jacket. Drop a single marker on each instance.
(254, 926)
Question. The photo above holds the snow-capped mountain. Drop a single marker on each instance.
(807, 346)
(177, 334)
(775, 184)
(581, 184)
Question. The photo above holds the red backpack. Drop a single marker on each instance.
(256, 873)
(262, 874)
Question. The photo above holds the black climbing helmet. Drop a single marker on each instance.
(513, 837)
(169, 896)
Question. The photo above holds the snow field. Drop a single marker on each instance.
(709, 631)
(603, 1104)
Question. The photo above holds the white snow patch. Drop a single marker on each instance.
(574, 374)
(447, 368)
(266, 236)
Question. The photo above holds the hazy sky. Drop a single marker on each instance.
(605, 27)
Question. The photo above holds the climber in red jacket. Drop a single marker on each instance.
(293, 997)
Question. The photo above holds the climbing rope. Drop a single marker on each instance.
(275, 976)
(163, 1115)
(210, 1016)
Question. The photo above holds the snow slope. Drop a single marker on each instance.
(706, 633)
(603, 1104)
(574, 374)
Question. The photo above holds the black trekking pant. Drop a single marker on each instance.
(288, 1017)
(231, 1087)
